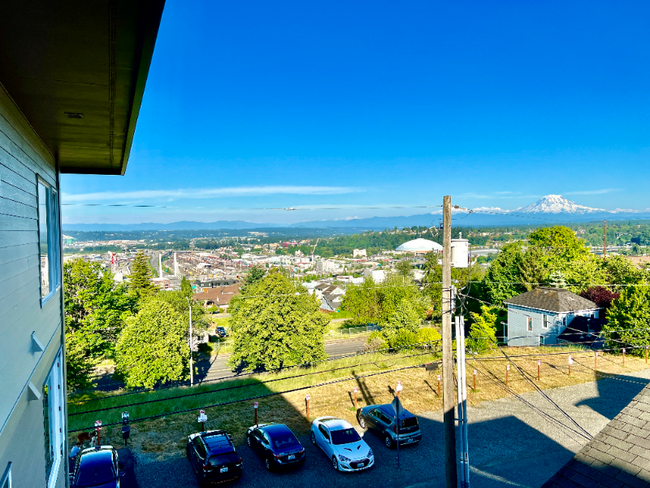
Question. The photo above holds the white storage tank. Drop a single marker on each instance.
(459, 253)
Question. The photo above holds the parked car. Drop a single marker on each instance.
(221, 332)
(276, 445)
(97, 467)
(342, 444)
(382, 419)
(213, 457)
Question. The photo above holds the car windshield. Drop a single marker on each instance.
(285, 441)
(345, 436)
(95, 475)
(221, 459)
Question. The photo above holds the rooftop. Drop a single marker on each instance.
(617, 457)
(552, 300)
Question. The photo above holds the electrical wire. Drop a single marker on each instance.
(266, 395)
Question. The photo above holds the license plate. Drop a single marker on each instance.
(410, 441)
(291, 457)
(224, 470)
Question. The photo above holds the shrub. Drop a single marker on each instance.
(375, 342)
(404, 339)
(427, 335)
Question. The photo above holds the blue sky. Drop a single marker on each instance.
(252, 107)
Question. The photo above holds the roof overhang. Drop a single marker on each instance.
(77, 70)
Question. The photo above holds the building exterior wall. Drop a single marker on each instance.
(519, 335)
(24, 159)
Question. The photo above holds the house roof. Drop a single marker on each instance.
(552, 299)
(77, 71)
(617, 457)
(220, 295)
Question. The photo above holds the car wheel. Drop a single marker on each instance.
(362, 422)
(388, 441)
(313, 438)
(335, 463)
(248, 440)
(267, 463)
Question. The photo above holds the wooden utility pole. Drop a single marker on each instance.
(605, 242)
(447, 351)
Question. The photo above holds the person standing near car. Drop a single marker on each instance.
(74, 452)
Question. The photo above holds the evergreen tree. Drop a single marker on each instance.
(140, 278)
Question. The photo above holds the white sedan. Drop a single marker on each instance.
(342, 444)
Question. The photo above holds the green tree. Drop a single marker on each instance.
(153, 348)
(362, 302)
(504, 279)
(254, 275)
(95, 309)
(559, 246)
(482, 332)
(276, 324)
(404, 268)
(629, 319)
(186, 288)
(140, 278)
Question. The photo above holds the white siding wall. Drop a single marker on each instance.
(22, 158)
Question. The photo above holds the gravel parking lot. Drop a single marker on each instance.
(511, 444)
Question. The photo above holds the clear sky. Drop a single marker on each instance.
(252, 106)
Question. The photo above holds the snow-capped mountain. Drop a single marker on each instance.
(556, 204)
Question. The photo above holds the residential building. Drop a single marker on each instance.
(539, 316)
(359, 253)
(219, 296)
(72, 77)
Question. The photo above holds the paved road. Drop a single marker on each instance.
(214, 368)
(511, 445)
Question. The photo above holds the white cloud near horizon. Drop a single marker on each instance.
(244, 191)
(593, 192)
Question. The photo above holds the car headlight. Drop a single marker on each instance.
(344, 459)
(370, 454)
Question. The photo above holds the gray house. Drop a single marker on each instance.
(539, 316)
(72, 77)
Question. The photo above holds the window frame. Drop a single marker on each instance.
(541, 340)
(529, 324)
(55, 418)
(545, 321)
(52, 238)
(5, 481)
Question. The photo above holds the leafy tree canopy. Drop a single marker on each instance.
(276, 324)
(95, 310)
(629, 319)
(153, 348)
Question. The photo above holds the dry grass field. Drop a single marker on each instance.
(330, 386)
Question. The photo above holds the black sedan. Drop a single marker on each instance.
(276, 445)
(97, 467)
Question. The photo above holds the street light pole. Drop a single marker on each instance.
(189, 304)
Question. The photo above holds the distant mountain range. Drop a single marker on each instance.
(551, 209)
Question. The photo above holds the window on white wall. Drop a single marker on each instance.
(529, 323)
(48, 239)
(53, 405)
(545, 321)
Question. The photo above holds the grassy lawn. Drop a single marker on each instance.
(163, 436)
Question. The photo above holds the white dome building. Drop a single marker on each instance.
(420, 246)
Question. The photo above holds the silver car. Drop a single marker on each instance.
(342, 444)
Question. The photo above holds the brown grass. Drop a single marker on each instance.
(164, 437)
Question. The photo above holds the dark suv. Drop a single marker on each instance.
(221, 332)
(382, 419)
(213, 457)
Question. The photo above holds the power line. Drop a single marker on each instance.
(267, 395)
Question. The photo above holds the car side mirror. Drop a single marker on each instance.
(122, 474)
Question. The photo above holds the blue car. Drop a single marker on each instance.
(276, 445)
(97, 467)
